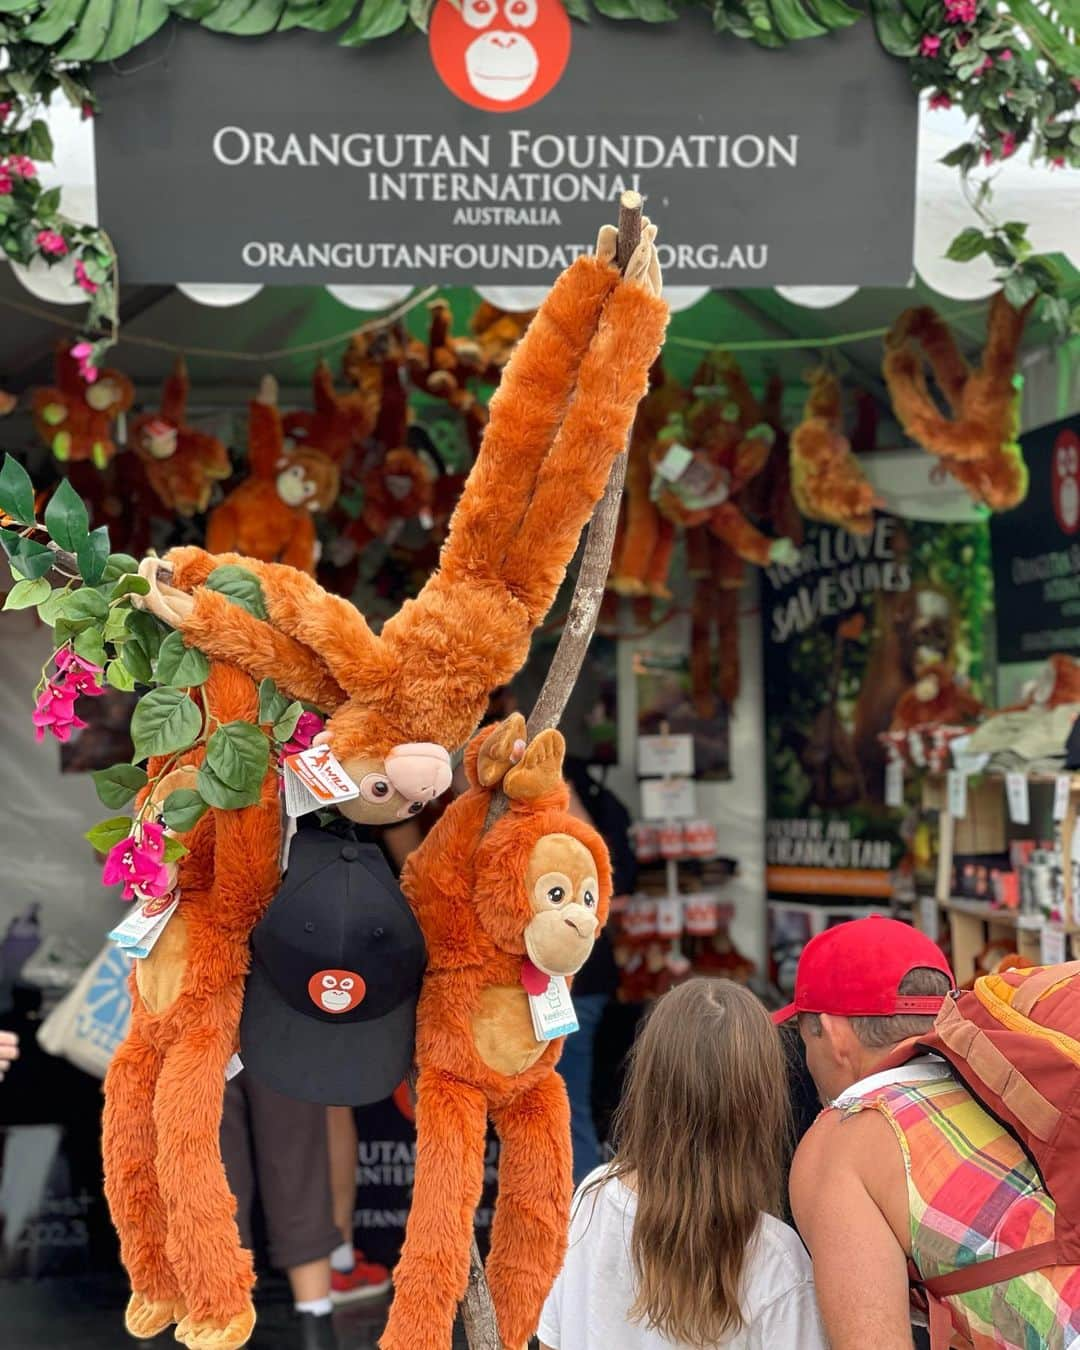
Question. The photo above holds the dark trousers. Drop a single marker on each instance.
(576, 1067)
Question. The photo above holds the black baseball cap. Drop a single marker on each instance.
(336, 966)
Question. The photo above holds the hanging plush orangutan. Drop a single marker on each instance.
(443, 368)
(400, 702)
(375, 363)
(337, 423)
(503, 914)
(496, 333)
(270, 515)
(827, 481)
(181, 464)
(978, 445)
(75, 419)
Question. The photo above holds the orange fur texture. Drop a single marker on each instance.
(978, 444)
(181, 464)
(164, 1180)
(935, 700)
(255, 519)
(826, 480)
(559, 418)
(75, 419)
(467, 891)
(443, 367)
(336, 424)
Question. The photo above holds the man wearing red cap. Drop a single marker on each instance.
(904, 1164)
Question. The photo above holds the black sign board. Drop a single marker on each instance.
(291, 159)
(1036, 550)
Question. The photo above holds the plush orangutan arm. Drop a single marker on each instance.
(300, 549)
(728, 523)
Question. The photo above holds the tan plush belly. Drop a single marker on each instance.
(160, 975)
(502, 1030)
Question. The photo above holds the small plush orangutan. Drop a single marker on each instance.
(935, 699)
(181, 464)
(504, 913)
(978, 445)
(269, 516)
(827, 481)
(75, 419)
(336, 424)
(443, 368)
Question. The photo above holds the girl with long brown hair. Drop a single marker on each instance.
(676, 1242)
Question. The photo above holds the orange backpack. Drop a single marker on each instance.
(1014, 1041)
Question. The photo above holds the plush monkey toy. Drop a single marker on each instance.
(269, 516)
(503, 913)
(978, 445)
(496, 333)
(826, 480)
(337, 423)
(75, 419)
(181, 464)
(935, 699)
(443, 367)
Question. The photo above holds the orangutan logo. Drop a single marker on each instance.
(336, 991)
(1066, 481)
(500, 55)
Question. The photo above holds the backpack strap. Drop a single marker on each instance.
(1032, 988)
(978, 1275)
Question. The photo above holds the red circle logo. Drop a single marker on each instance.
(500, 55)
(336, 991)
(403, 1100)
(1065, 479)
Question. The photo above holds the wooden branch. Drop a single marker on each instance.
(477, 1311)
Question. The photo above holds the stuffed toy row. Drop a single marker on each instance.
(399, 702)
(181, 464)
(978, 445)
(443, 368)
(75, 419)
(826, 480)
(502, 912)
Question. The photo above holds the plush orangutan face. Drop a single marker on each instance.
(159, 438)
(395, 787)
(308, 479)
(564, 896)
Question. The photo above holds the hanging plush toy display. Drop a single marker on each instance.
(496, 333)
(827, 482)
(507, 916)
(76, 416)
(336, 425)
(181, 464)
(270, 516)
(444, 366)
(978, 445)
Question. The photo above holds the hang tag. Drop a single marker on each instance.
(315, 779)
(665, 756)
(894, 782)
(552, 1011)
(668, 799)
(916, 749)
(1062, 784)
(234, 1066)
(929, 917)
(957, 789)
(1052, 951)
(669, 916)
(142, 928)
(1016, 789)
(675, 463)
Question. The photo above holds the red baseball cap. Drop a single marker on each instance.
(855, 970)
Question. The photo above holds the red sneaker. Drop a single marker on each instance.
(365, 1280)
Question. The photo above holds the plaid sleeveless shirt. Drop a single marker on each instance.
(974, 1194)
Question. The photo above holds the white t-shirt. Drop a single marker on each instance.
(587, 1309)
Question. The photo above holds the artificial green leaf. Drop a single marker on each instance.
(91, 34)
(793, 21)
(272, 703)
(48, 203)
(49, 609)
(127, 584)
(240, 586)
(323, 16)
(89, 645)
(174, 850)
(164, 721)
(27, 594)
(39, 145)
(119, 677)
(420, 11)
(285, 725)
(147, 631)
(84, 606)
(116, 630)
(56, 18)
(216, 793)
(16, 492)
(1020, 287)
(183, 809)
(116, 786)
(245, 18)
(109, 833)
(28, 558)
(135, 661)
(239, 755)
(378, 19)
(118, 565)
(181, 665)
(66, 518)
(968, 244)
(93, 555)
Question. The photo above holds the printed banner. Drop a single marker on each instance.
(845, 631)
(1036, 550)
(490, 151)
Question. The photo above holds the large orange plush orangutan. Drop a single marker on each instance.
(399, 703)
(502, 913)
(181, 464)
(75, 419)
(270, 515)
(978, 445)
(827, 480)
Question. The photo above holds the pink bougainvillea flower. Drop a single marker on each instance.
(5, 182)
(940, 101)
(22, 166)
(960, 11)
(87, 110)
(307, 728)
(1005, 54)
(5, 108)
(962, 40)
(139, 862)
(90, 287)
(55, 712)
(1008, 145)
(82, 352)
(930, 45)
(49, 241)
(79, 674)
(1058, 162)
(986, 65)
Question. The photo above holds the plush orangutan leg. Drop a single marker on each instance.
(430, 1279)
(660, 564)
(129, 1145)
(528, 1235)
(214, 1272)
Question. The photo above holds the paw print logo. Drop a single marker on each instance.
(336, 991)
